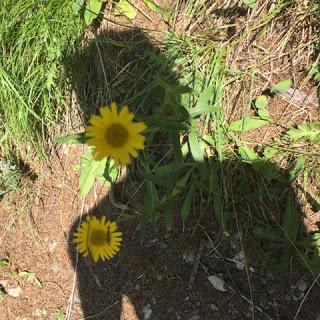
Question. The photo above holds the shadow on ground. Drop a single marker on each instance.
(165, 276)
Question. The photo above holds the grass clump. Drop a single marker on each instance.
(35, 36)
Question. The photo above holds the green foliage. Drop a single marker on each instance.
(314, 69)
(249, 3)
(4, 263)
(291, 219)
(59, 315)
(77, 138)
(124, 7)
(309, 132)
(92, 10)
(32, 80)
(281, 86)
(154, 7)
(30, 277)
(246, 124)
(299, 165)
(195, 147)
(91, 169)
(10, 177)
(261, 102)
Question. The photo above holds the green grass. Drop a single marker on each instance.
(35, 37)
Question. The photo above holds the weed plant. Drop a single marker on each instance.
(35, 36)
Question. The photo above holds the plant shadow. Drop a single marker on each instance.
(164, 274)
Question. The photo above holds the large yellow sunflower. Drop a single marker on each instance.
(98, 237)
(115, 134)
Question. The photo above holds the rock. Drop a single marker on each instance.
(217, 282)
(55, 268)
(52, 245)
(238, 259)
(195, 317)
(188, 257)
(39, 313)
(302, 285)
(146, 312)
(14, 290)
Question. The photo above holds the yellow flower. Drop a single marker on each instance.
(115, 134)
(99, 237)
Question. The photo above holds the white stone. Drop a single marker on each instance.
(217, 282)
(147, 312)
(14, 291)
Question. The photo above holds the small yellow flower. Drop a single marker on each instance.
(98, 237)
(115, 134)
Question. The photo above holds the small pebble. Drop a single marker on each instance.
(218, 283)
(52, 245)
(147, 312)
(188, 257)
(55, 268)
(302, 285)
(14, 291)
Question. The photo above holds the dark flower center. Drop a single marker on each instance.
(117, 135)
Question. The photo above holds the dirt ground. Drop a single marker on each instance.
(167, 276)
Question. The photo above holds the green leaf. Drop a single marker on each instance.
(203, 105)
(266, 234)
(185, 210)
(77, 5)
(181, 184)
(248, 154)
(163, 123)
(78, 138)
(4, 263)
(246, 124)
(172, 86)
(90, 170)
(261, 102)
(154, 7)
(291, 218)
(175, 139)
(293, 173)
(152, 197)
(309, 132)
(269, 152)
(265, 168)
(249, 3)
(31, 278)
(195, 147)
(281, 87)
(59, 315)
(124, 7)
(165, 169)
(92, 10)
(111, 171)
(265, 115)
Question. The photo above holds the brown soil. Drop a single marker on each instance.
(158, 274)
